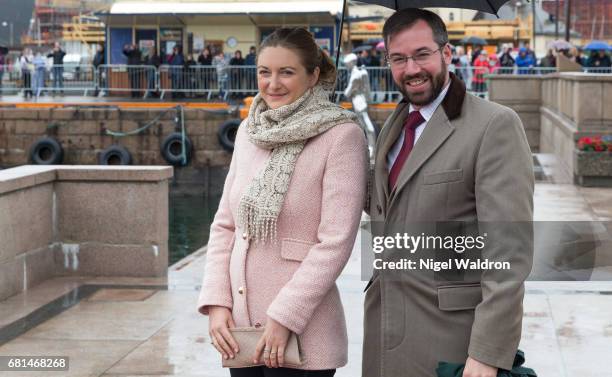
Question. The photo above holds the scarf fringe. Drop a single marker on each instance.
(258, 227)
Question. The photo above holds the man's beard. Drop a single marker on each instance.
(437, 84)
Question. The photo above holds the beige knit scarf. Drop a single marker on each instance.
(285, 131)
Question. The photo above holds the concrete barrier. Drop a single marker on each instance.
(522, 93)
(574, 105)
(82, 221)
(558, 109)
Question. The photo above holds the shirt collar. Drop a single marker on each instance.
(428, 110)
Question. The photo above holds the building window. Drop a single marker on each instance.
(451, 16)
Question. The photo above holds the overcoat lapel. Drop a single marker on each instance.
(435, 134)
(388, 137)
(437, 131)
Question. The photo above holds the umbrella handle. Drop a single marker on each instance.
(340, 33)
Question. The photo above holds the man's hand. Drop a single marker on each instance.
(272, 344)
(474, 368)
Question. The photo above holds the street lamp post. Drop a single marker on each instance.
(10, 25)
(568, 19)
(533, 24)
(556, 19)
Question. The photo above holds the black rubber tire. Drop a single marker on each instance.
(172, 148)
(115, 155)
(46, 151)
(227, 134)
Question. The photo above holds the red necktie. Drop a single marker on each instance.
(414, 120)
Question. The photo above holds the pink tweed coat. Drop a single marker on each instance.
(292, 280)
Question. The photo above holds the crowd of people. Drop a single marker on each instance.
(33, 68)
(186, 72)
(185, 75)
(473, 68)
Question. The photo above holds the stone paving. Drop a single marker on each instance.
(132, 327)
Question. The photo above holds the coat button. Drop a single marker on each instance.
(379, 209)
(244, 236)
(241, 290)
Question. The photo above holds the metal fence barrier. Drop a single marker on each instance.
(10, 79)
(79, 78)
(70, 78)
(602, 70)
(138, 80)
(143, 81)
(242, 80)
(208, 81)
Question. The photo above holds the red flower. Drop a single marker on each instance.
(594, 144)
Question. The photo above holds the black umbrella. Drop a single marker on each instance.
(488, 6)
(474, 41)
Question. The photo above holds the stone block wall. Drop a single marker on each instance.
(522, 93)
(574, 105)
(82, 134)
(82, 221)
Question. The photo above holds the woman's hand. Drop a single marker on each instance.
(219, 322)
(272, 343)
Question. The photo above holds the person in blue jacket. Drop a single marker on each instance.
(524, 61)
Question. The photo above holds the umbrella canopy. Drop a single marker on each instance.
(597, 45)
(560, 44)
(362, 48)
(474, 41)
(381, 46)
(489, 6)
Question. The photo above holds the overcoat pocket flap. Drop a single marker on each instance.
(443, 176)
(459, 297)
(296, 250)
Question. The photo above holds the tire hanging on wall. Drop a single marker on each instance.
(46, 151)
(227, 134)
(172, 148)
(115, 155)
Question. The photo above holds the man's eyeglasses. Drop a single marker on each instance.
(422, 58)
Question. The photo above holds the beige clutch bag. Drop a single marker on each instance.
(247, 338)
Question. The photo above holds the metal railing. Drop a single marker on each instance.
(208, 80)
(79, 78)
(70, 77)
(602, 70)
(382, 86)
(142, 81)
(10, 79)
(523, 70)
(138, 80)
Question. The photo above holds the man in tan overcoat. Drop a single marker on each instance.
(446, 155)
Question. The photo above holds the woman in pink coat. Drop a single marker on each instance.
(288, 216)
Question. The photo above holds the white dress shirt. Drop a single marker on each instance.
(426, 112)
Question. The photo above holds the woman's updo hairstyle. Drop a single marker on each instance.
(301, 41)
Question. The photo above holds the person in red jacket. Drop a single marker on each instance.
(482, 67)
